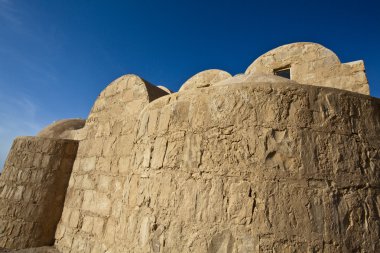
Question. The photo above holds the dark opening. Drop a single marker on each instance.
(283, 72)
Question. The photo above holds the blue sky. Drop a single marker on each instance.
(56, 56)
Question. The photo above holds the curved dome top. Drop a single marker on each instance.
(204, 79)
(294, 53)
(313, 64)
(62, 129)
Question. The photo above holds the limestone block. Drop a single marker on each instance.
(159, 151)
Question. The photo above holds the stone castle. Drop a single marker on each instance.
(282, 158)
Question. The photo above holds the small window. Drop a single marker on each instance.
(283, 72)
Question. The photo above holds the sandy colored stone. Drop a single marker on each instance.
(32, 192)
(63, 129)
(102, 165)
(313, 64)
(32, 250)
(255, 78)
(205, 78)
(249, 163)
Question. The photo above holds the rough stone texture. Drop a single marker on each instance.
(95, 193)
(239, 167)
(250, 163)
(256, 79)
(205, 79)
(63, 129)
(32, 250)
(32, 190)
(313, 64)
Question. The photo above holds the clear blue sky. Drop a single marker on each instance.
(56, 56)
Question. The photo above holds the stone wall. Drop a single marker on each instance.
(95, 193)
(32, 190)
(240, 167)
(313, 64)
(250, 163)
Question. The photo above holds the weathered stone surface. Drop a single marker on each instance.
(32, 190)
(255, 78)
(242, 166)
(32, 250)
(63, 129)
(205, 79)
(313, 64)
(95, 193)
(250, 163)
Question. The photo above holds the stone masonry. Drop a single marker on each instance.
(32, 190)
(313, 64)
(249, 163)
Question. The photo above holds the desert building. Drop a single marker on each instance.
(282, 158)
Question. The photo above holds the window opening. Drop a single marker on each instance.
(283, 72)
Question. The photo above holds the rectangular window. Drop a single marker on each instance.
(283, 72)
